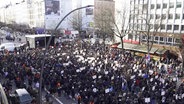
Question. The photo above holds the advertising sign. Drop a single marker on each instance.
(52, 13)
(89, 11)
(52, 7)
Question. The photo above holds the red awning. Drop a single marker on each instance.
(115, 45)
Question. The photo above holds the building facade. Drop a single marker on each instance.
(163, 18)
(47, 13)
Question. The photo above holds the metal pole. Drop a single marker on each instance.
(46, 49)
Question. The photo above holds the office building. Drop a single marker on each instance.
(164, 18)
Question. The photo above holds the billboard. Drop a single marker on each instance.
(52, 7)
(52, 13)
(89, 11)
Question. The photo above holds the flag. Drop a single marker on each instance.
(111, 89)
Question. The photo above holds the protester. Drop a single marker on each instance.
(96, 75)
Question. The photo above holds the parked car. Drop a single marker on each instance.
(10, 37)
(7, 46)
(21, 96)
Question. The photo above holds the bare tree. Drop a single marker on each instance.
(151, 26)
(181, 48)
(104, 11)
(121, 21)
(76, 21)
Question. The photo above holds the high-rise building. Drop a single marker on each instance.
(164, 19)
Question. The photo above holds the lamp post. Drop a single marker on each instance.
(46, 49)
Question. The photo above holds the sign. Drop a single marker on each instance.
(52, 13)
(89, 11)
(52, 7)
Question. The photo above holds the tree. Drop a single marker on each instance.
(151, 27)
(104, 10)
(76, 21)
(2, 24)
(121, 23)
(181, 48)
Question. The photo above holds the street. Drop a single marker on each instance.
(63, 99)
(90, 73)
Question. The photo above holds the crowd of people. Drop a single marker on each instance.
(94, 74)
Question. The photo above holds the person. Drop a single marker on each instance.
(37, 44)
(47, 97)
(79, 99)
(28, 45)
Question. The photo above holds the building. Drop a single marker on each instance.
(163, 18)
(47, 13)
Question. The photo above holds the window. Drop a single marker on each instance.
(171, 5)
(177, 16)
(178, 4)
(152, 6)
(158, 6)
(156, 26)
(143, 37)
(182, 27)
(162, 27)
(164, 5)
(131, 16)
(130, 36)
(176, 27)
(169, 40)
(145, 6)
(156, 38)
(157, 16)
(163, 16)
(130, 26)
(161, 39)
(169, 27)
(183, 16)
(170, 16)
(177, 40)
(151, 16)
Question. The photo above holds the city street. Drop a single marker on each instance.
(63, 99)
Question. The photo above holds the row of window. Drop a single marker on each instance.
(163, 16)
(169, 27)
(162, 27)
(160, 39)
(165, 5)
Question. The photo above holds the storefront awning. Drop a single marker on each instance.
(138, 48)
(160, 51)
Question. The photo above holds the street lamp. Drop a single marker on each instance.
(46, 49)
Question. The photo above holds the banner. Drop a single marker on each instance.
(52, 13)
(52, 7)
(89, 11)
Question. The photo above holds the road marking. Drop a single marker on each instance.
(57, 99)
(54, 97)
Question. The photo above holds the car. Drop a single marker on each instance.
(21, 96)
(9, 37)
(7, 46)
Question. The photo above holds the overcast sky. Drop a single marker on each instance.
(5, 2)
